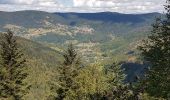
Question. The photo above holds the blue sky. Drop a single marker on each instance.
(122, 6)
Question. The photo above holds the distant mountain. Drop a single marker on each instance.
(28, 18)
(111, 33)
(36, 18)
(111, 17)
(101, 24)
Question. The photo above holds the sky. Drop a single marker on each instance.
(121, 6)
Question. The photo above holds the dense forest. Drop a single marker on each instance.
(26, 74)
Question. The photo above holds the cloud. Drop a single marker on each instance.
(32, 2)
(18, 1)
(123, 6)
(111, 3)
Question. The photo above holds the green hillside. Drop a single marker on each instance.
(114, 31)
(42, 63)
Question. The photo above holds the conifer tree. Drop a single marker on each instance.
(116, 74)
(118, 89)
(12, 69)
(156, 50)
(68, 71)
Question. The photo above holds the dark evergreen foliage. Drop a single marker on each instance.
(67, 73)
(156, 50)
(12, 68)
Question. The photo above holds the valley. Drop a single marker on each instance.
(103, 35)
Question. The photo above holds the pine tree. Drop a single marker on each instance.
(12, 69)
(68, 71)
(116, 74)
(156, 50)
(118, 89)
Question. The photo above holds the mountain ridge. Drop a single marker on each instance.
(109, 30)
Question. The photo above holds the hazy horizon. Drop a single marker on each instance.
(81, 12)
